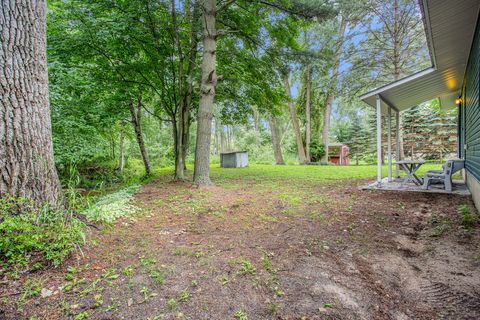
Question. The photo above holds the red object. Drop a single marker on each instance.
(338, 154)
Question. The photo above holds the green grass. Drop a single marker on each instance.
(306, 173)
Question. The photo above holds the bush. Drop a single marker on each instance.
(317, 151)
(26, 231)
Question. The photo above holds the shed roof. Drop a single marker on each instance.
(449, 27)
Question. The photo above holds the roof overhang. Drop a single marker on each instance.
(449, 28)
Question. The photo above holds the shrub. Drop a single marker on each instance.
(317, 151)
(26, 230)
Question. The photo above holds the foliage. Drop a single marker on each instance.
(113, 206)
(317, 151)
(27, 231)
(468, 217)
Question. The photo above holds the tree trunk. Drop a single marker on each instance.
(256, 120)
(296, 126)
(277, 149)
(121, 161)
(308, 106)
(192, 65)
(179, 126)
(326, 127)
(201, 176)
(137, 126)
(27, 167)
(333, 85)
(397, 66)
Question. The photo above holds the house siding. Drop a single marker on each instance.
(471, 105)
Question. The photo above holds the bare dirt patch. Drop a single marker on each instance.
(267, 250)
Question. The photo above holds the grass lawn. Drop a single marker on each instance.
(267, 242)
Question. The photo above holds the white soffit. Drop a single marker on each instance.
(450, 26)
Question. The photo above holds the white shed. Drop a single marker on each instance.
(236, 159)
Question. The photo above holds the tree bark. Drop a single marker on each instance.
(201, 176)
(192, 66)
(277, 149)
(296, 126)
(136, 115)
(27, 167)
(308, 106)
(121, 161)
(333, 85)
(179, 126)
(397, 67)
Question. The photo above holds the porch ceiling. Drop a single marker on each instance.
(450, 26)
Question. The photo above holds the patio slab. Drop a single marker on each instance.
(400, 184)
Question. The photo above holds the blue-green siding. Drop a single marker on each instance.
(471, 105)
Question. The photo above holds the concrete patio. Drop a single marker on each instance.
(401, 184)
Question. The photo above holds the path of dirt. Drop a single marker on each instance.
(226, 253)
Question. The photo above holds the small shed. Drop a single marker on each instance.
(235, 159)
(338, 154)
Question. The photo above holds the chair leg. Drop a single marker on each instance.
(426, 181)
(448, 184)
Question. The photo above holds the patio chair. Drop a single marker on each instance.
(443, 176)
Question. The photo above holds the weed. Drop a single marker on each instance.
(158, 277)
(112, 307)
(146, 262)
(468, 218)
(110, 274)
(144, 293)
(441, 225)
(267, 262)
(274, 308)
(31, 288)
(98, 300)
(82, 315)
(194, 283)
(184, 295)
(224, 280)
(172, 304)
(240, 315)
(278, 292)
(246, 267)
(127, 271)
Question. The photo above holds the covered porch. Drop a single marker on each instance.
(449, 42)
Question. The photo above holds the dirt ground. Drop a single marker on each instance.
(267, 250)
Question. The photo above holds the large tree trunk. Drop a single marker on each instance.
(201, 175)
(137, 126)
(277, 149)
(27, 167)
(121, 161)
(296, 126)
(333, 85)
(308, 106)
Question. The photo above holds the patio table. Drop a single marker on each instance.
(410, 167)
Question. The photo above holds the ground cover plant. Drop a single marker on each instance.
(275, 243)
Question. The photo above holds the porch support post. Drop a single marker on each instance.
(389, 122)
(397, 143)
(379, 140)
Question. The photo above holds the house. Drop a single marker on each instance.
(453, 37)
